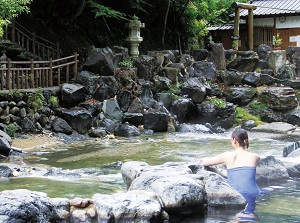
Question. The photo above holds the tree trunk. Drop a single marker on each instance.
(165, 23)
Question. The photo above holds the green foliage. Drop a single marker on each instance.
(12, 129)
(10, 9)
(127, 63)
(105, 11)
(235, 44)
(242, 116)
(276, 40)
(53, 101)
(220, 103)
(258, 106)
(36, 99)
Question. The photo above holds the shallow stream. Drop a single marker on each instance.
(98, 163)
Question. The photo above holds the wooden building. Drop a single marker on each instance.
(269, 18)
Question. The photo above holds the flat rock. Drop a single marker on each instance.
(275, 127)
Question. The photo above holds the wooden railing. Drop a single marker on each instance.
(35, 74)
(31, 42)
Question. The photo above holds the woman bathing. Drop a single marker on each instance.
(241, 168)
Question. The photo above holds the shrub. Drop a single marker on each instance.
(12, 129)
(242, 116)
(220, 103)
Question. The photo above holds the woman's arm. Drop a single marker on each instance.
(214, 160)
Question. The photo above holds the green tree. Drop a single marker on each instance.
(192, 18)
(10, 9)
(169, 24)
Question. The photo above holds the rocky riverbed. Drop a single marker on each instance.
(147, 185)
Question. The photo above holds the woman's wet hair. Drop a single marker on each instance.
(241, 136)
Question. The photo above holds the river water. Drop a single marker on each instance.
(98, 163)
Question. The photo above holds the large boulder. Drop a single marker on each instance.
(147, 66)
(180, 191)
(243, 64)
(216, 55)
(217, 116)
(126, 130)
(155, 120)
(239, 95)
(194, 89)
(100, 61)
(61, 125)
(107, 88)
(271, 169)
(182, 109)
(5, 144)
(219, 192)
(206, 70)
(133, 206)
(276, 59)
(233, 77)
(72, 94)
(23, 206)
(279, 98)
(111, 110)
(78, 118)
(89, 80)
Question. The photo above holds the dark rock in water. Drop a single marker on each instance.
(290, 148)
(271, 168)
(5, 144)
(60, 125)
(248, 125)
(59, 172)
(126, 130)
(97, 132)
(157, 121)
(5, 171)
(193, 128)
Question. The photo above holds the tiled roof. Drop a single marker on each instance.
(273, 7)
(221, 27)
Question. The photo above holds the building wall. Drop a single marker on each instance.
(264, 29)
(286, 26)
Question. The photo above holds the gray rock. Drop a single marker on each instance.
(271, 169)
(219, 192)
(239, 95)
(290, 148)
(133, 206)
(24, 206)
(78, 118)
(60, 125)
(126, 130)
(157, 121)
(100, 61)
(279, 98)
(111, 110)
(275, 127)
(194, 89)
(72, 94)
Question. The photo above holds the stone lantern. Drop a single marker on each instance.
(134, 37)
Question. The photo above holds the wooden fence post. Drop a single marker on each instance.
(51, 73)
(75, 66)
(32, 74)
(8, 87)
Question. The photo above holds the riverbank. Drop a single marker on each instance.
(29, 142)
